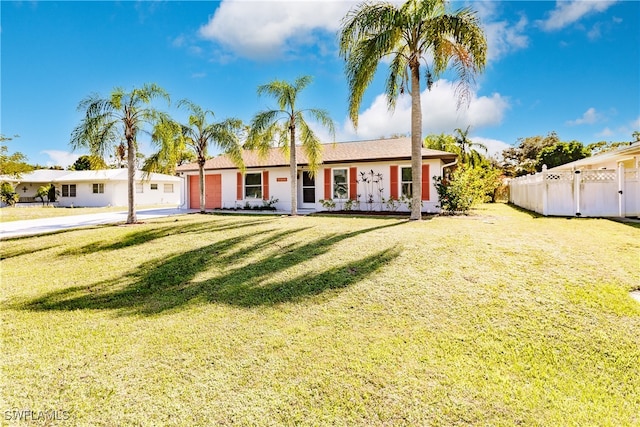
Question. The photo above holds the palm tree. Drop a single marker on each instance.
(110, 121)
(418, 31)
(199, 135)
(172, 150)
(280, 126)
(442, 142)
(467, 148)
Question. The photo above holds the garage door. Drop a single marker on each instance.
(212, 191)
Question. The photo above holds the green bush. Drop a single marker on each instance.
(467, 187)
(8, 194)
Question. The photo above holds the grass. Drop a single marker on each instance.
(36, 212)
(500, 318)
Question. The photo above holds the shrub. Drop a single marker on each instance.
(328, 204)
(466, 187)
(8, 194)
(270, 204)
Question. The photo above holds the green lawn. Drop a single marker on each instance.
(499, 318)
(36, 212)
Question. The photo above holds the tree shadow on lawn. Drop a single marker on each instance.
(160, 285)
(8, 252)
(146, 235)
(532, 214)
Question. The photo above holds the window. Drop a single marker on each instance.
(405, 182)
(68, 190)
(139, 187)
(98, 188)
(253, 185)
(340, 184)
(168, 188)
(155, 187)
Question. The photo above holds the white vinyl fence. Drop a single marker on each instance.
(590, 193)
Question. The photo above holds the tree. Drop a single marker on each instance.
(85, 163)
(280, 126)
(172, 150)
(522, 159)
(197, 136)
(110, 121)
(8, 194)
(561, 153)
(43, 193)
(418, 31)
(604, 146)
(442, 142)
(467, 148)
(12, 164)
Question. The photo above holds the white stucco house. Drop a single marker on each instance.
(605, 185)
(97, 188)
(362, 175)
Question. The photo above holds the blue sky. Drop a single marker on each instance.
(568, 66)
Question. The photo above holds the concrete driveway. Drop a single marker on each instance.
(48, 225)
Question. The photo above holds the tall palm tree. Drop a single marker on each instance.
(280, 126)
(110, 121)
(199, 135)
(172, 150)
(467, 148)
(418, 31)
(192, 140)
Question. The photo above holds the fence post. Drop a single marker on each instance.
(576, 190)
(621, 196)
(545, 191)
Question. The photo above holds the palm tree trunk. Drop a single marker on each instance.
(201, 183)
(416, 143)
(131, 176)
(294, 172)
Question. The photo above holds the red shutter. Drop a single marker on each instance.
(239, 187)
(393, 190)
(265, 185)
(327, 184)
(425, 182)
(353, 183)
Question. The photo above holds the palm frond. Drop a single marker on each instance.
(311, 146)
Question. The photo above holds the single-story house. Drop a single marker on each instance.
(363, 175)
(604, 185)
(96, 188)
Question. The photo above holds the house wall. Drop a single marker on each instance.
(27, 191)
(115, 194)
(279, 186)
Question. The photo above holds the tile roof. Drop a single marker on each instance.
(340, 152)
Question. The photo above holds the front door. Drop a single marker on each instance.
(308, 190)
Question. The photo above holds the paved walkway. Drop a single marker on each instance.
(49, 225)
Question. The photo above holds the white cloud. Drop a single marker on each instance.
(264, 29)
(589, 117)
(595, 32)
(606, 132)
(61, 158)
(568, 12)
(439, 111)
(495, 147)
(260, 29)
(503, 38)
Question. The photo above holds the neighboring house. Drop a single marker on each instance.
(95, 188)
(360, 175)
(605, 185)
